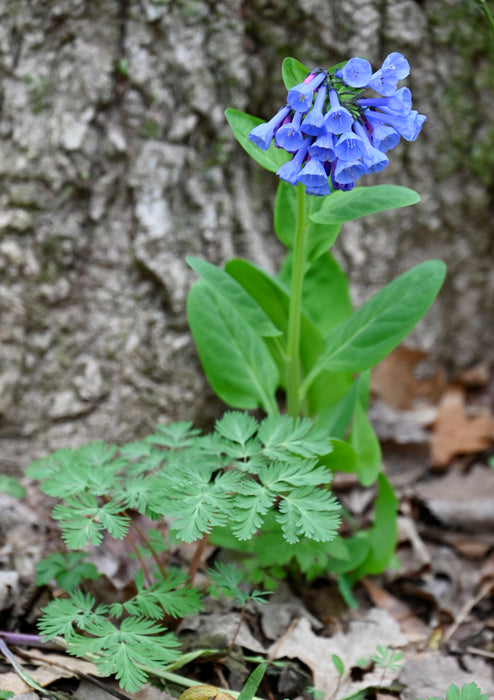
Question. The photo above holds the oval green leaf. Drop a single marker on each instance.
(362, 201)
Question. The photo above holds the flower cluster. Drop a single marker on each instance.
(336, 131)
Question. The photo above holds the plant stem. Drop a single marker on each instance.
(295, 308)
(196, 559)
(485, 7)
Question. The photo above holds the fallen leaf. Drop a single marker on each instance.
(461, 501)
(395, 379)
(376, 627)
(457, 433)
(410, 624)
(432, 676)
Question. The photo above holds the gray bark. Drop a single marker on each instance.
(116, 162)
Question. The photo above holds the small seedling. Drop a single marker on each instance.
(68, 570)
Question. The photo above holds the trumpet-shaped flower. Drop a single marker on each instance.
(289, 136)
(357, 72)
(384, 81)
(407, 125)
(349, 146)
(313, 174)
(347, 171)
(400, 101)
(336, 130)
(290, 171)
(300, 97)
(262, 135)
(338, 119)
(323, 148)
(397, 62)
(373, 159)
(384, 137)
(313, 123)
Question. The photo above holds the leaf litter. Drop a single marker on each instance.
(436, 608)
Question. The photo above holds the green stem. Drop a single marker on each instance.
(295, 308)
(485, 7)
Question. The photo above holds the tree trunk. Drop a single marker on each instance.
(116, 161)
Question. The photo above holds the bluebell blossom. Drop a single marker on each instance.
(373, 159)
(289, 136)
(338, 118)
(262, 135)
(290, 171)
(338, 128)
(313, 123)
(357, 72)
(323, 148)
(384, 137)
(300, 96)
(313, 174)
(349, 146)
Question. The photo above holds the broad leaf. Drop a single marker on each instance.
(382, 323)
(364, 441)
(325, 294)
(293, 72)
(235, 295)
(274, 299)
(236, 361)
(241, 125)
(320, 237)
(362, 201)
(383, 534)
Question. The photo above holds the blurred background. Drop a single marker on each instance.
(116, 161)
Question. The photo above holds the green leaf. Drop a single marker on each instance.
(274, 299)
(284, 437)
(320, 237)
(469, 691)
(285, 213)
(362, 201)
(342, 457)
(235, 295)
(237, 426)
(383, 534)
(253, 682)
(358, 550)
(172, 596)
(338, 664)
(364, 441)
(293, 72)
(382, 323)
(324, 279)
(235, 359)
(11, 486)
(307, 512)
(241, 125)
(67, 569)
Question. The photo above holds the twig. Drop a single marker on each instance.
(25, 676)
(286, 633)
(466, 608)
(196, 559)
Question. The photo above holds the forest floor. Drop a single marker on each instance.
(436, 608)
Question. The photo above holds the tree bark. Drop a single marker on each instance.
(116, 161)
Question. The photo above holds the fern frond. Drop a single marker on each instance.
(173, 596)
(309, 512)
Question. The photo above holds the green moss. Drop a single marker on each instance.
(469, 96)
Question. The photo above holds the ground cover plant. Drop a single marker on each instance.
(291, 357)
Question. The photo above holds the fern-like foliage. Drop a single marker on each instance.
(234, 477)
(124, 646)
(243, 475)
(469, 691)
